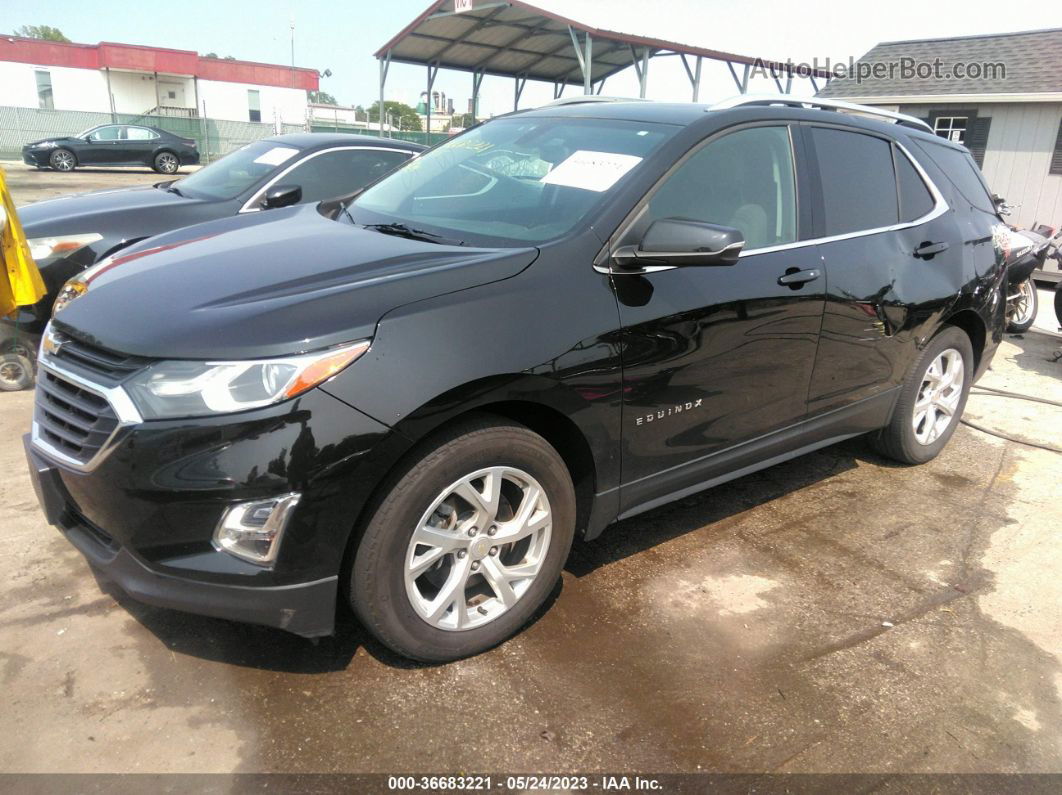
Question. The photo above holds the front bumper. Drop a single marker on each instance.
(36, 157)
(306, 609)
(144, 515)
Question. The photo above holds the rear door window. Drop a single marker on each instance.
(858, 183)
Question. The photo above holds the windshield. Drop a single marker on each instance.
(236, 172)
(527, 179)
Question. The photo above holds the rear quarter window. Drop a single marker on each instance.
(962, 171)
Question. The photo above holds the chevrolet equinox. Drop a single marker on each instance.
(413, 400)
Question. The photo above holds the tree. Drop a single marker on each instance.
(215, 55)
(45, 32)
(321, 98)
(405, 116)
(462, 120)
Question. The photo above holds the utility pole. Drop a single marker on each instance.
(292, 19)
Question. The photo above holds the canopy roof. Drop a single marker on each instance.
(520, 40)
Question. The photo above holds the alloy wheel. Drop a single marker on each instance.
(12, 374)
(1023, 306)
(938, 397)
(167, 163)
(478, 548)
(63, 161)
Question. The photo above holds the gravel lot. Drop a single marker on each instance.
(837, 613)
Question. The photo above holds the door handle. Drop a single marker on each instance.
(928, 250)
(795, 278)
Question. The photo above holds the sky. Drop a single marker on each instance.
(342, 36)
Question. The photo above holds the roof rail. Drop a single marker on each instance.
(824, 104)
(579, 100)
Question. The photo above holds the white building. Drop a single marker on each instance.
(128, 78)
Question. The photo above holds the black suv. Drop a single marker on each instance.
(414, 400)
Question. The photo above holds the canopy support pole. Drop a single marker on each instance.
(385, 64)
(518, 89)
(477, 81)
(741, 82)
(694, 75)
(584, 54)
(432, 72)
(641, 68)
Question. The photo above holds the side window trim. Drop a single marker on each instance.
(635, 215)
(250, 206)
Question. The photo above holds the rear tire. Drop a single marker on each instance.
(166, 163)
(461, 587)
(931, 400)
(16, 372)
(62, 160)
(1024, 311)
(1058, 303)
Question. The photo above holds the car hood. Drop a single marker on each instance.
(268, 285)
(61, 140)
(96, 211)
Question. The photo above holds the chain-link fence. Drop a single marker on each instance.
(214, 137)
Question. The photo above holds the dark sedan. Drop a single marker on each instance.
(114, 145)
(70, 233)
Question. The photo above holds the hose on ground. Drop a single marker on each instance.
(988, 391)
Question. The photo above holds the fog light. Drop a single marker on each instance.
(252, 530)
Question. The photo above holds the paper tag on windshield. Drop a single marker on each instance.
(276, 155)
(596, 171)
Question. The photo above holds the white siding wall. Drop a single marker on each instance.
(72, 89)
(229, 101)
(1018, 156)
(134, 92)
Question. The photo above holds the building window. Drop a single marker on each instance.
(1056, 154)
(44, 89)
(953, 128)
(254, 106)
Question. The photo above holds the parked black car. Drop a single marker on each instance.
(70, 233)
(114, 145)
(560, 318)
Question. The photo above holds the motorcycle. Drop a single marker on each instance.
(1029, 250)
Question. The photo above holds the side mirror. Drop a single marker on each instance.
(281, 196)
(1000, 204)
(679, 242)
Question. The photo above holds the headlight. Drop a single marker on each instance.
(60, 246)
(74, 288)
(46, 145)
(173, 389)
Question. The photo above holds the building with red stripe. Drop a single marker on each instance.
(129, 78)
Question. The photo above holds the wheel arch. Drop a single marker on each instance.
(522, 399)
(974, 327)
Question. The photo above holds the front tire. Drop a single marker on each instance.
(166, 163)
(1021, 313)
(466, 543)
(62, 160)
(931, 401)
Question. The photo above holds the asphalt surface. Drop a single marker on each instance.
(837, 613)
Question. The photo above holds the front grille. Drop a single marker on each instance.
(96, 362)
(73, 420)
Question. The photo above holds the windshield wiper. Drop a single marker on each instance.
(401, 230)
(172, 189)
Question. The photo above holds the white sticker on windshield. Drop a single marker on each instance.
(276, 155)
(596, 171)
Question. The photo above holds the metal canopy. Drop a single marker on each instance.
(515, 39)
